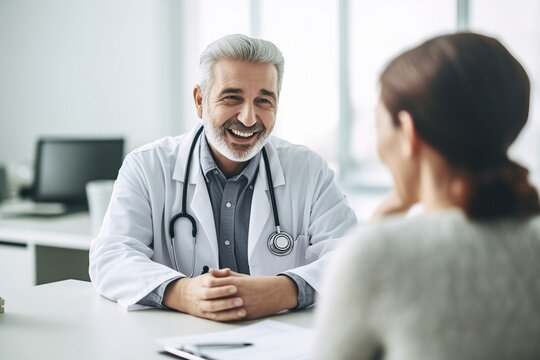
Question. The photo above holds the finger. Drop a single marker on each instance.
(220, 272)
(211, 281)
(220, 305)
(233, 273)
(226, 315)
(208, 293)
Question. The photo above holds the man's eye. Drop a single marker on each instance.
(264, 102)
(231, 99)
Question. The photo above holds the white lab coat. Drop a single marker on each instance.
(132, 254)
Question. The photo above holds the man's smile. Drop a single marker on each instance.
(242, 137)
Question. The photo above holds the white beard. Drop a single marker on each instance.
(216, 138)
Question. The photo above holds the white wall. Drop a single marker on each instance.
(100, 67)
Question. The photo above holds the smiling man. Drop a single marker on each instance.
(226, 222)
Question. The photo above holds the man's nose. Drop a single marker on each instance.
(247, 115)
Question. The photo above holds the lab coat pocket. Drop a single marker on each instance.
(301, 243)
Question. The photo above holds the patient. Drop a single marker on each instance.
(462, 279)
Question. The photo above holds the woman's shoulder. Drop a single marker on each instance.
(403, 231)
(412, 243)
(439, 227)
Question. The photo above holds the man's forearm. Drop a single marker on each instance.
(156, 297)
(306, 293)
(288, 292)
(172, 298)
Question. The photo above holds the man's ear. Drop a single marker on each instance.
(410, 141)
(197, 97)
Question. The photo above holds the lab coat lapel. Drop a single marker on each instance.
(182, 158)
(261, 208)
(202, 210)
(200, 206)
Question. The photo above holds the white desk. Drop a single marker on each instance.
(37, 250)
(69, 320)
(70, 231)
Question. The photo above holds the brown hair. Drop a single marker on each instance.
(469, 99)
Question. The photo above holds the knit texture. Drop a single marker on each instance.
(435, 286)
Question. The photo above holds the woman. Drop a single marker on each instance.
(461, 280)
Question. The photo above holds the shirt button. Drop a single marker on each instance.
(227, 242)
(228, 204)
(250, 187)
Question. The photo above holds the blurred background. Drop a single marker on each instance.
(126, 68)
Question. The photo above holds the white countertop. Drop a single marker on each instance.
(69, 320)
(66, 231)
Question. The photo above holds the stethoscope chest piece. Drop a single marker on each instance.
(280, 243)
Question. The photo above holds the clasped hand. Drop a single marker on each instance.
(224, 295)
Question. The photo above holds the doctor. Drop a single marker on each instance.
(225, 222)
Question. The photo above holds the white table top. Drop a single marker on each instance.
(66, 231)
(69, 320)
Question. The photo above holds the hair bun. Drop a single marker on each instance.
(502, 191)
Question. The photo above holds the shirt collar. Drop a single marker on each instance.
(208, 163)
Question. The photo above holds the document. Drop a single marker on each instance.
(265, 340)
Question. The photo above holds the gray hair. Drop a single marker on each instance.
(238, 47)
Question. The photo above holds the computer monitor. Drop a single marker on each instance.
(64, 166)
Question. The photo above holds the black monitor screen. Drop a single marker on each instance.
(64, 166)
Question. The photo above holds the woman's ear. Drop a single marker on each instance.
(197, 97)
(410, 140)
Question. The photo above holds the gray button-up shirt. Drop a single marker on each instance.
(231, 205)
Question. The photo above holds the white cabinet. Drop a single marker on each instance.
(38, 250)
(16, 268)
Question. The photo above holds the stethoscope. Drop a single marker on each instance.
(280, 243)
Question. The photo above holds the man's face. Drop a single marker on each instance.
(240, 110)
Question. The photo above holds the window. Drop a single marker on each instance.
(378, 31)
(335, 50)
(220, 18)
(307, 34)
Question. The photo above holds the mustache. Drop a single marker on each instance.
(235, 124)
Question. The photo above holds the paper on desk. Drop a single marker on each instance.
(272, 340)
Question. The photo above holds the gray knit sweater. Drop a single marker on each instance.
(436, 286)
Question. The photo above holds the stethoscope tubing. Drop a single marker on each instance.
(278, 251)
(183, 213)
